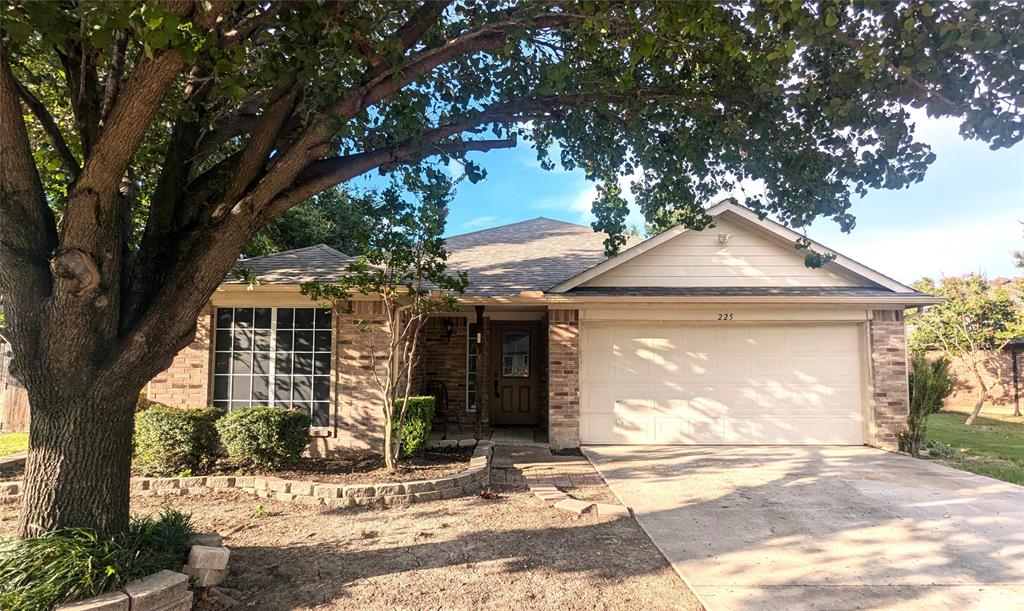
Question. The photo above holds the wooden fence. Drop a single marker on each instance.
(14, 413)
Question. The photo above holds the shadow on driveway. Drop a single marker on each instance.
(824, 527)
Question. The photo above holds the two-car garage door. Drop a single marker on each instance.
(665, 383)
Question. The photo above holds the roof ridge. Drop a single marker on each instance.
(320, 246)
(522, 222)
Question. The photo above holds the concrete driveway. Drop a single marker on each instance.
(824, 527)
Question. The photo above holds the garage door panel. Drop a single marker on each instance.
(763, 384)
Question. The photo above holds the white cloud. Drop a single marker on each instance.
(479, 222)
(580, 203)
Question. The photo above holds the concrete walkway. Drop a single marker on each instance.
(824, 528)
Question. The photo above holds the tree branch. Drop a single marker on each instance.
(114, 75)
(51, 128)
(28, 233)
(328, 172)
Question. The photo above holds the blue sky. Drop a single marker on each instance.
(964, 217)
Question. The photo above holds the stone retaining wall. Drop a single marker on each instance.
(163, 591)
(468, 482)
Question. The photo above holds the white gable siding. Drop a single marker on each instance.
(696, 259)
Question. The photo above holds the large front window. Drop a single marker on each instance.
(274, 356)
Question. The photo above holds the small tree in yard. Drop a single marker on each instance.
(404, 266)
(971, 327)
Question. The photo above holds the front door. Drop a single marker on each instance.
(515, 373)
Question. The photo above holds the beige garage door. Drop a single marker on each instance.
(715, 384)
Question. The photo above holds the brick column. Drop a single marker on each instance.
(358, 402)
(186, 382)
(564, 378)
(891, 399)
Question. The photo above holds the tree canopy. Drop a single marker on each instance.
(335, 218)
(972, 326)
(144, 144)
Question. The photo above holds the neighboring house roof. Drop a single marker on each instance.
(319, 263)
(531, 255)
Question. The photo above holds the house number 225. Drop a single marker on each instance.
(725, 316)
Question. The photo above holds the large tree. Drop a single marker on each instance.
(142, 145)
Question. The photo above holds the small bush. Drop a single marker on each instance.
(264, 436)
(143, 403)
(73, 564)
(930, 383)
(419, 417)
(171, 440)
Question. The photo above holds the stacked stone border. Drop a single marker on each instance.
(466, 483)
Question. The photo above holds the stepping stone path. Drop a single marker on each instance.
(541, 481)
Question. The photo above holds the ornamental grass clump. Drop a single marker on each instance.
(73, 563)
(265, 437)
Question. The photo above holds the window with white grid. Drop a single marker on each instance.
(274, 356)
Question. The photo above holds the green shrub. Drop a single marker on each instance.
(73, 564)
(419, 419)
(930, 383)
(264, 436)
(143, 403)
(171, 440)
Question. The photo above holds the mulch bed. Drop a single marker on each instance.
(364, 467)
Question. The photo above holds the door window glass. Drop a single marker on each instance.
(515, 354)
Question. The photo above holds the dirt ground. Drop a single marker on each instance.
(12, 472)
(511, 552)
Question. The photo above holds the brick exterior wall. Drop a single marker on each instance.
(357, 413)
(563, 378)
(443, 359)
(890, 398)
(186, 382)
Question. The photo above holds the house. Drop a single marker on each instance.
(721, 336)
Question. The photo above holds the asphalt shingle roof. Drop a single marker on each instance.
(319, 263)
(532, 255)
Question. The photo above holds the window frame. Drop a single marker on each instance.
(472, 369)
(228, 402)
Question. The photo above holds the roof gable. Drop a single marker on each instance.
(740, 251)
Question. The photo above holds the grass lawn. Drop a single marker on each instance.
(13, 443)
(992, 446)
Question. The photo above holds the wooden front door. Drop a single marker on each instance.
(515, 372)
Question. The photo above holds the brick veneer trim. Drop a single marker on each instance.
(890, 400)
(564, 378)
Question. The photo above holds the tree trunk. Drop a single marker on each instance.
(79, 460)
(982, 393)
(390, 461)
